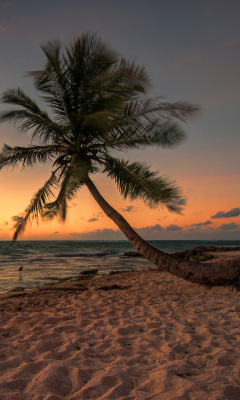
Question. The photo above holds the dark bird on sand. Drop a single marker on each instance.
(21, 268)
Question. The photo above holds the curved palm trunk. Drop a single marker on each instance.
(222, 273)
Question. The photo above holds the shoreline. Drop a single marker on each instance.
(48, 263)
(90, 273)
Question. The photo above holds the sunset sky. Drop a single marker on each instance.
(191, 50)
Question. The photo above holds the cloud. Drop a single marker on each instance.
(111, 234)
(228, 227)
(92, 219)
(149, 229)
(173, 228)
(8, 3)
(234, 42)
(190, 60)
(203, 230)
(162, 218)
(127, 209)
(234, 212)
(54, 233)
(147, 232)
(4, 28)
(206, 223)
(98, 234)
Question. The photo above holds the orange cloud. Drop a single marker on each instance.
(9, 3)
(234, 42)
(4, 28)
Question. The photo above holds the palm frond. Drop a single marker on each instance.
(30, 117)
(126, 79)
(52, 81)
(18, 97)
(158, 134)
(68, 79)
(139, 114)
(110, 89)
(135, 181)
(13, 156)
(35, 208)
(58, 208)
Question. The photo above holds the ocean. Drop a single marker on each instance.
(46, 262)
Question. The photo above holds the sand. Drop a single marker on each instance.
(134, 335)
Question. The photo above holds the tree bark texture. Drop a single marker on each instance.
(209, 274)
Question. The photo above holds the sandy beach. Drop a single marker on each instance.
(132, 335)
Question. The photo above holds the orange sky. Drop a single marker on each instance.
(206, 196)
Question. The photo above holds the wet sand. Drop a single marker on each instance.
(133, 335)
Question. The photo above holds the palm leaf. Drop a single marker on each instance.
(139, 114)
(68, 190)
(158, 134)
(53, 82)
(31, 117)
(135, 181)
(12, 156)
(35, 208)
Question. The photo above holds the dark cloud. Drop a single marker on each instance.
(228, 227)
(233, 42)
(92, 219)
(234, 212)
(127, 209)
(8, 3)
(149, 229)
(54, 233)
(3, 27)
(95, 217)
(206, 223)
(148, 232)
(162, 218)
(173, 228)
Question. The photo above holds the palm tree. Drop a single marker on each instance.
(99, 106)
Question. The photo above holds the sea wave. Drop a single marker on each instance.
(43, 257)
